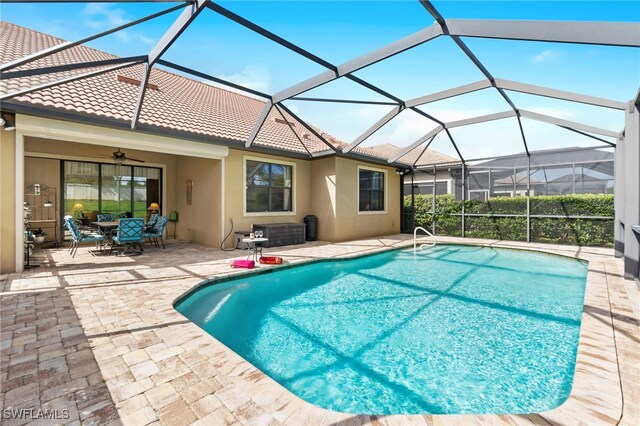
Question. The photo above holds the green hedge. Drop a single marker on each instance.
(587, 232)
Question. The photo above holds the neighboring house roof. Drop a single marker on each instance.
(430, 157)
(520, 180)
(173, 102)
(550, 156)
(580, 178)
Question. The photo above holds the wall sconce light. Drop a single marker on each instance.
(4, 122)
(189, 191)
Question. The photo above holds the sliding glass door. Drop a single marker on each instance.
(81, 188)
(91, 188)
(146, 190)
(115, 189)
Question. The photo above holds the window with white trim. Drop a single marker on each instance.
(371, 190)
(269, 187)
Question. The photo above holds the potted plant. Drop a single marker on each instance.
(38, 236)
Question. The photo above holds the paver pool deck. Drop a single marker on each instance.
(96, 340)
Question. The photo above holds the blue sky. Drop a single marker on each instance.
(341, 30)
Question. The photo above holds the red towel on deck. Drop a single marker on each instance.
(242, 263)
(270, 260)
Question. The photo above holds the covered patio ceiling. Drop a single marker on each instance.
(458, 31)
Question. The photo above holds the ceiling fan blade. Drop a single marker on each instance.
(135, 159)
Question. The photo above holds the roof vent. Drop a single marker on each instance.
(283, 121)
(136, 82)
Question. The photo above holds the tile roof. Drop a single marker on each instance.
(429, 157)
(172, 101)
(179, 103)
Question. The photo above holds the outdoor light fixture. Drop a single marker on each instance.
(6, 124)
(401, 172)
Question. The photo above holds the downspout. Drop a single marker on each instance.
(413, 203)
(433, 203)
(463, 196)
(528, 199)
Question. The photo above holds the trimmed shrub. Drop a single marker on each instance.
(558, 230)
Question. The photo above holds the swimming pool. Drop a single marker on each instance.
(453, 329)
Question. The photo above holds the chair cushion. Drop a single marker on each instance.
(242, 263)
(270, 260)
(92, 237)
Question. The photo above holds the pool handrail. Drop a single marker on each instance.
(415, 231)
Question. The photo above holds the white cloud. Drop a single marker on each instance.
(403, 130)
(101, 16)
(449, 115)
(129, 37)
(544, 56)
(256, 77)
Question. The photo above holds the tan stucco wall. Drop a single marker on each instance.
(334, 185)
(325, 187)
(234, 192)
(352, 224)
(199, 222)
(7, 202)
(323, 196)
(43, 171)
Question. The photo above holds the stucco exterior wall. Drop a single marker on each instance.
(326, 187)
(323, 196)
(351, 223)
(235, 192)
(199, 222)
(7, 202)
(334, 189)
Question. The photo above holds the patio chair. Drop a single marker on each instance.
(153, 218)
(79, 236)
(156, 231)
(105, 217)
(129, 234)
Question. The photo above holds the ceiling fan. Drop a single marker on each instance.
(119, 157)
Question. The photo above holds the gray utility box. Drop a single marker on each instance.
(282, 234)
(238, 236)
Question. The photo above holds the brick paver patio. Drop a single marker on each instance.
(95, 340)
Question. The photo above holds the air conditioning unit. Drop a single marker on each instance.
(238, 236)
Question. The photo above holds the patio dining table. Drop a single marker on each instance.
(106, 228)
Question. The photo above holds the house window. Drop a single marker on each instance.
(478, 194)
(370, 190)
(269, 187)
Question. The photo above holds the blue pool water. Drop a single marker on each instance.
(454, 329)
